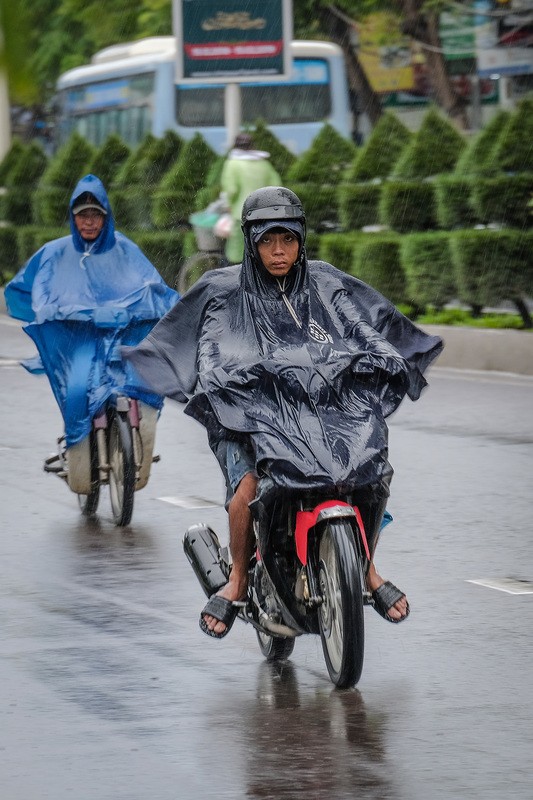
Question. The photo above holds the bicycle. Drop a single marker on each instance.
(210, 254)
(118, 452)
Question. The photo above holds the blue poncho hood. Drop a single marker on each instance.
(92, 185)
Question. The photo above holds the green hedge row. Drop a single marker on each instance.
(432, 179)
(479, 267)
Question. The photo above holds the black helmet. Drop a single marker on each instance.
(272, 203)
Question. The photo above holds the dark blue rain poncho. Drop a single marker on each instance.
(313, 396)
(83, 300)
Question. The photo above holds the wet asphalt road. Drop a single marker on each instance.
(110, 691)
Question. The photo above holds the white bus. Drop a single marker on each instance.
(130, 89)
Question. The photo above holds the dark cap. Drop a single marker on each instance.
(243, 141)
(87, 201)
(293, 226)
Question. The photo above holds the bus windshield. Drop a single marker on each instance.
(122, 106)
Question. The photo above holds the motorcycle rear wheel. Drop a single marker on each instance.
(122, 469)
(340, 617)
(275, 648)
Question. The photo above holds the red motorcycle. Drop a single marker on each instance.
(307, 575)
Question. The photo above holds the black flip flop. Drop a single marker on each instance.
(224, 610)
(384, 597)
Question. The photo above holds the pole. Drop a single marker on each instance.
(232, 112)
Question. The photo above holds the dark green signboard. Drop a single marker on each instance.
(225, 39)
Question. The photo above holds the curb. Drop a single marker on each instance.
(484, 349)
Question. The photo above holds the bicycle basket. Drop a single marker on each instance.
(202, 223)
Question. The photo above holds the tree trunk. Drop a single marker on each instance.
(341, 29)
(523, 310)
(425, 29)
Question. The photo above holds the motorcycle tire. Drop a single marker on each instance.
(122, 469)
(275, 648)
(340, 617)
(88, 503)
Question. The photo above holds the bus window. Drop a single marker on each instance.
(200, 106)
(306, 98)
(284, 104)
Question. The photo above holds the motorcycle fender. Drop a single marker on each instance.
(147, 422)
(305, 520)
(79, 467)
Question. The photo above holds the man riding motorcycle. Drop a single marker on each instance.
(346, 357)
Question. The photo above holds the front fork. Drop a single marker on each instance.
(124, 405)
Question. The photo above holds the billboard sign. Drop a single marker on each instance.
(232, 40)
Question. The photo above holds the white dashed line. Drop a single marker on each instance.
(186, 501)
(509, 585)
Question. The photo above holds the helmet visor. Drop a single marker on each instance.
(281, 213)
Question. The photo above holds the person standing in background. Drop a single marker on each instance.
(244, 171)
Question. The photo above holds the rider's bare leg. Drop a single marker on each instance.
(374, 581)
(241, 545)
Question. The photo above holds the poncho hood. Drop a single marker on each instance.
(106, 239)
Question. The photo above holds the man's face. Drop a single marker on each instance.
(89, 223)
(278, 250)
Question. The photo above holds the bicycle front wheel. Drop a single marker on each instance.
(340, 617)
(122, 469)
(195, 266)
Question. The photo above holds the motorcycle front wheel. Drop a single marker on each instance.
(122, 469)
(340, 617)
(274, 648)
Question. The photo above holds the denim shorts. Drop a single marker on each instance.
(236, 460)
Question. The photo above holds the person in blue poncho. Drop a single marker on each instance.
(85, 295)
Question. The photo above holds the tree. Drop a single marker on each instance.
(15, 77)
(420, 21)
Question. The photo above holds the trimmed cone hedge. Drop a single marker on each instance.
(175, 199)
(107, 161)
(477, 158)
(381, 151)
(427, 262)
(359, 204)
(435, 148)
(453, 202)
(377, 262)
(492, 266)
(21, 183)
(138, 179)
(504, 199)
(407, 206)
(64, 170)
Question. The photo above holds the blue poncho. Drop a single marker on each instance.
(84, 300)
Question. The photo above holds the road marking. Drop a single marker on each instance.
(188, 501)
(509, 585)
(9, 362)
